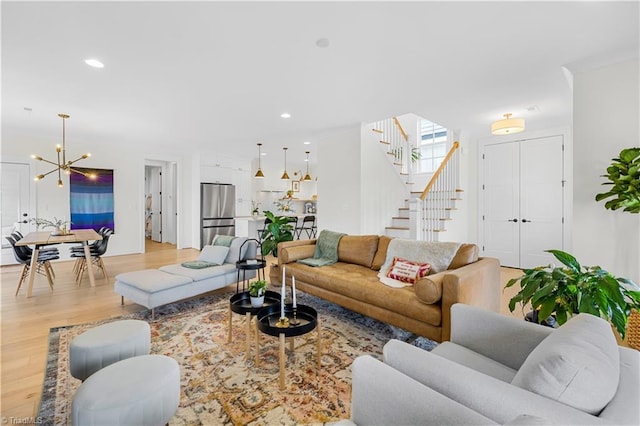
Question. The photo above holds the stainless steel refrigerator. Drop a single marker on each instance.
(217, 210)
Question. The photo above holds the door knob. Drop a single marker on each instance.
(513, 220)
(525, 221)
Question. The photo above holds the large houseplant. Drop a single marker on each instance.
(573, 288)
(624, 177)
(277, 231)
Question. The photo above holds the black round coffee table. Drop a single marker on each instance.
(240, 303)
(307, 320)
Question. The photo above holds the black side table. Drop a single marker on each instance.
(250, 265)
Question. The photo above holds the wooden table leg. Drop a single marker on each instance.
(291, 344)
(282, 356)
(87, 256)
(257, 360)
(319, 349)
(247, 333)
(230, 323)
(33, 270)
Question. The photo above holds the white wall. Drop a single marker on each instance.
(339, 182)
(382, 191)
(606, 120)
(128, 165)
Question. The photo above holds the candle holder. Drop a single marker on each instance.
(283, 322)
(294, 320)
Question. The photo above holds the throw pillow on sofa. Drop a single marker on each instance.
(214, 254)
(407, 271)
(578, 365)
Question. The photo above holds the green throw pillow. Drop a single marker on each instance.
(223, 240)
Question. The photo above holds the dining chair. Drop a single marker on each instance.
(97, 252)
(293, 221)
(308, 225)
(267, 221)
(23, 256)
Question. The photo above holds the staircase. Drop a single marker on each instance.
(425, 213)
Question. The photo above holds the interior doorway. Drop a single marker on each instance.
(16, 204)
(160, 213)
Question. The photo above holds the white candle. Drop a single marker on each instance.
(293, 286)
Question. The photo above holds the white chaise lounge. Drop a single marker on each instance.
(156, 287)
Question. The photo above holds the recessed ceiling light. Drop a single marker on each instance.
(94, 63)
(307, 143)
(322, 42)
(285, 115)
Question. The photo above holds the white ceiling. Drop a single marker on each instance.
(214, 75)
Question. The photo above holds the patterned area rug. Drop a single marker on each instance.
(219, 386)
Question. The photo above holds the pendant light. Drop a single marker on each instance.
(307, 176)
(285, 175)
(62, 165)
(507, 126)
(259, 173)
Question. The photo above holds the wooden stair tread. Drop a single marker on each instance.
(403, 228)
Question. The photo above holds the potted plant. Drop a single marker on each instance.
(277, 231)
(59, 225)
(572, 289)
(256, 292)
(255, 206)
(624, 176)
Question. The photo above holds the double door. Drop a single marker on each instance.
(523, 200)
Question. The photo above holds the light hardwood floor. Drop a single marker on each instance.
(26, 322)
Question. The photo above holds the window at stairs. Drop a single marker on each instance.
(432, 146)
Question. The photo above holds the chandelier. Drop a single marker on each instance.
(62, 165)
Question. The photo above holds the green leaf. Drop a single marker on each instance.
(566, 259)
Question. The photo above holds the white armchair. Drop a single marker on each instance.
(502, 370)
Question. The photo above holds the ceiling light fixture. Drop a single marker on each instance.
(285, 115)
(94, 63)
(63, 166)
(307, 176)
(507, 125)
(285, 175)
(322, 43)
(259, 173)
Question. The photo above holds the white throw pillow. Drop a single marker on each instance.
(234, 250)
(214, 254)
(578, 365)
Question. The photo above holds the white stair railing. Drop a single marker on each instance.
(433, 207)
(395, 143)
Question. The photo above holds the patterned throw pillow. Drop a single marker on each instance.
(407, 271)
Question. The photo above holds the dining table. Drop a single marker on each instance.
(44, 238)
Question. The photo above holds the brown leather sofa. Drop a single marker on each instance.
(423, 309)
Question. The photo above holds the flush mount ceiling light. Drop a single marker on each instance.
(62, 165)
(94, 63)
(285, 175)
(307, 176)
(259, 173)
(285, 115)
(507, 126)
(322, 43)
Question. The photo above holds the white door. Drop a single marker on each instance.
(501, 193)
(523, 201)
(14, 204)
(541, 200)
(155, 189)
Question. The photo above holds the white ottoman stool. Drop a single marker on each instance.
(143, 390)
(108, 343)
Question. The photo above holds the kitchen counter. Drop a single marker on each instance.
(247, 226)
